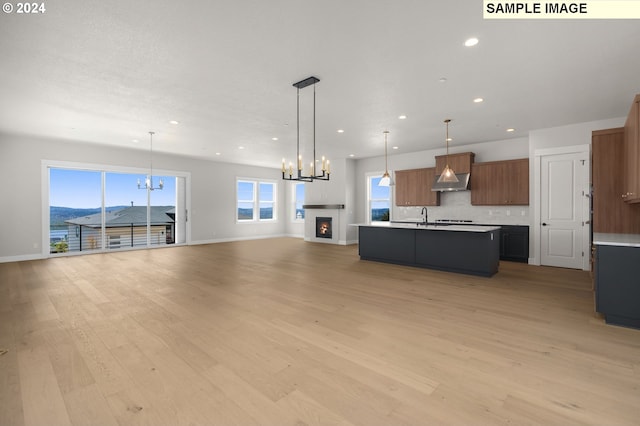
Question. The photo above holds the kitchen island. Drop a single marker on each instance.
(464, 249)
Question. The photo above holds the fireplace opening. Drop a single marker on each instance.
(323, 227)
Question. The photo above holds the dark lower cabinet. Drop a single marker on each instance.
(391, 244)
(514, 243)
(617, 284)
(475, 253)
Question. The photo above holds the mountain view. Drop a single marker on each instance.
(57, 215)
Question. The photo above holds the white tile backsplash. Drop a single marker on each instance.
(457, 205)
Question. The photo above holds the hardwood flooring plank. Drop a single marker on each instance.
(282, 331)
(310, 411)
(262, 409)
(87, 406)
(42, 400)
(380, 366)
(11, 411)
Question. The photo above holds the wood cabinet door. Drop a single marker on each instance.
(429, 197)
(517, 177)
(413, 188)
(631, 191)
(402, 187)
(500, 183)
(488, 184)
(610, 213)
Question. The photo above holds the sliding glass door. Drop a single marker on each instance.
(75, 210)
(106, 210)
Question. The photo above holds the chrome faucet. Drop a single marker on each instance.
(425, 214)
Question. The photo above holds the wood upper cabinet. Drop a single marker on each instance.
(500, 183)
(413, 188)
(610, 213)
(460, 163)
(631, 188)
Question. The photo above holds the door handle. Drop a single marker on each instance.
(544, 224)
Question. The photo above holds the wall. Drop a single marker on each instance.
(453, 205)
(546, 140)
(457, 205)
(212, 214)
(339, 190)
(212, 203)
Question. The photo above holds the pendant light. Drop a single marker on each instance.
(386, 177)
(148, 182)
(447, 175)
(325, 165)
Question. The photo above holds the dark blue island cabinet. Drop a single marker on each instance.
(617, 284)
(471, 250)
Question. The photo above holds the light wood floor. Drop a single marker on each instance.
(283, 332)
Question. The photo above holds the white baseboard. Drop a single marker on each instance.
(228, 240)
(21, 258)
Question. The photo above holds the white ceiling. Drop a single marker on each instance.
(109, 71)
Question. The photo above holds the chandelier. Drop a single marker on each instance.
(325, 166)
(148, 182)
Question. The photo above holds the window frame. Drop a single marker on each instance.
(46, 165)
(256, 201)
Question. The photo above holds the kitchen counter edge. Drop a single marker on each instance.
(625, 240)
(458, 228)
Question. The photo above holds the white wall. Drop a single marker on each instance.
(213, 197)
(453, 205)
(572, 135)
(212, 215)
(339, 190)
(457, 205)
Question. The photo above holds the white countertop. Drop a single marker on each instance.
(463, 228)
(628, 240)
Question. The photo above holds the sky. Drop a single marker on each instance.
(378, 192)
(82, 189)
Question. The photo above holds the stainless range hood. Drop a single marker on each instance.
(461, 185)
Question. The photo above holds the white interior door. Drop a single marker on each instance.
(564, 210)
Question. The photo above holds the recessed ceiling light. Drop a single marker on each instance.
(395, 147)
(274, 139)
(352, 155)
(478, 100)
(174, 122)
(241, 147)
(402, 117)
(135, 140)
(471, 42)
(340, 131)
(218, 153)
(449, 139)
(511, 129)
(442, 79)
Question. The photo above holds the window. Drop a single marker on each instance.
(298, 201)
(75, 200)
(126, 223)
(99, 210)
(379, 200)
(256, 201)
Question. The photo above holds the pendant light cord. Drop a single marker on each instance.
(151, 157)
(447, 140)
(386, 167)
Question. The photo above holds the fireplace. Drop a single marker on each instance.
(324, 227)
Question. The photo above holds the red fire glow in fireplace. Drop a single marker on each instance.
(323, 227)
